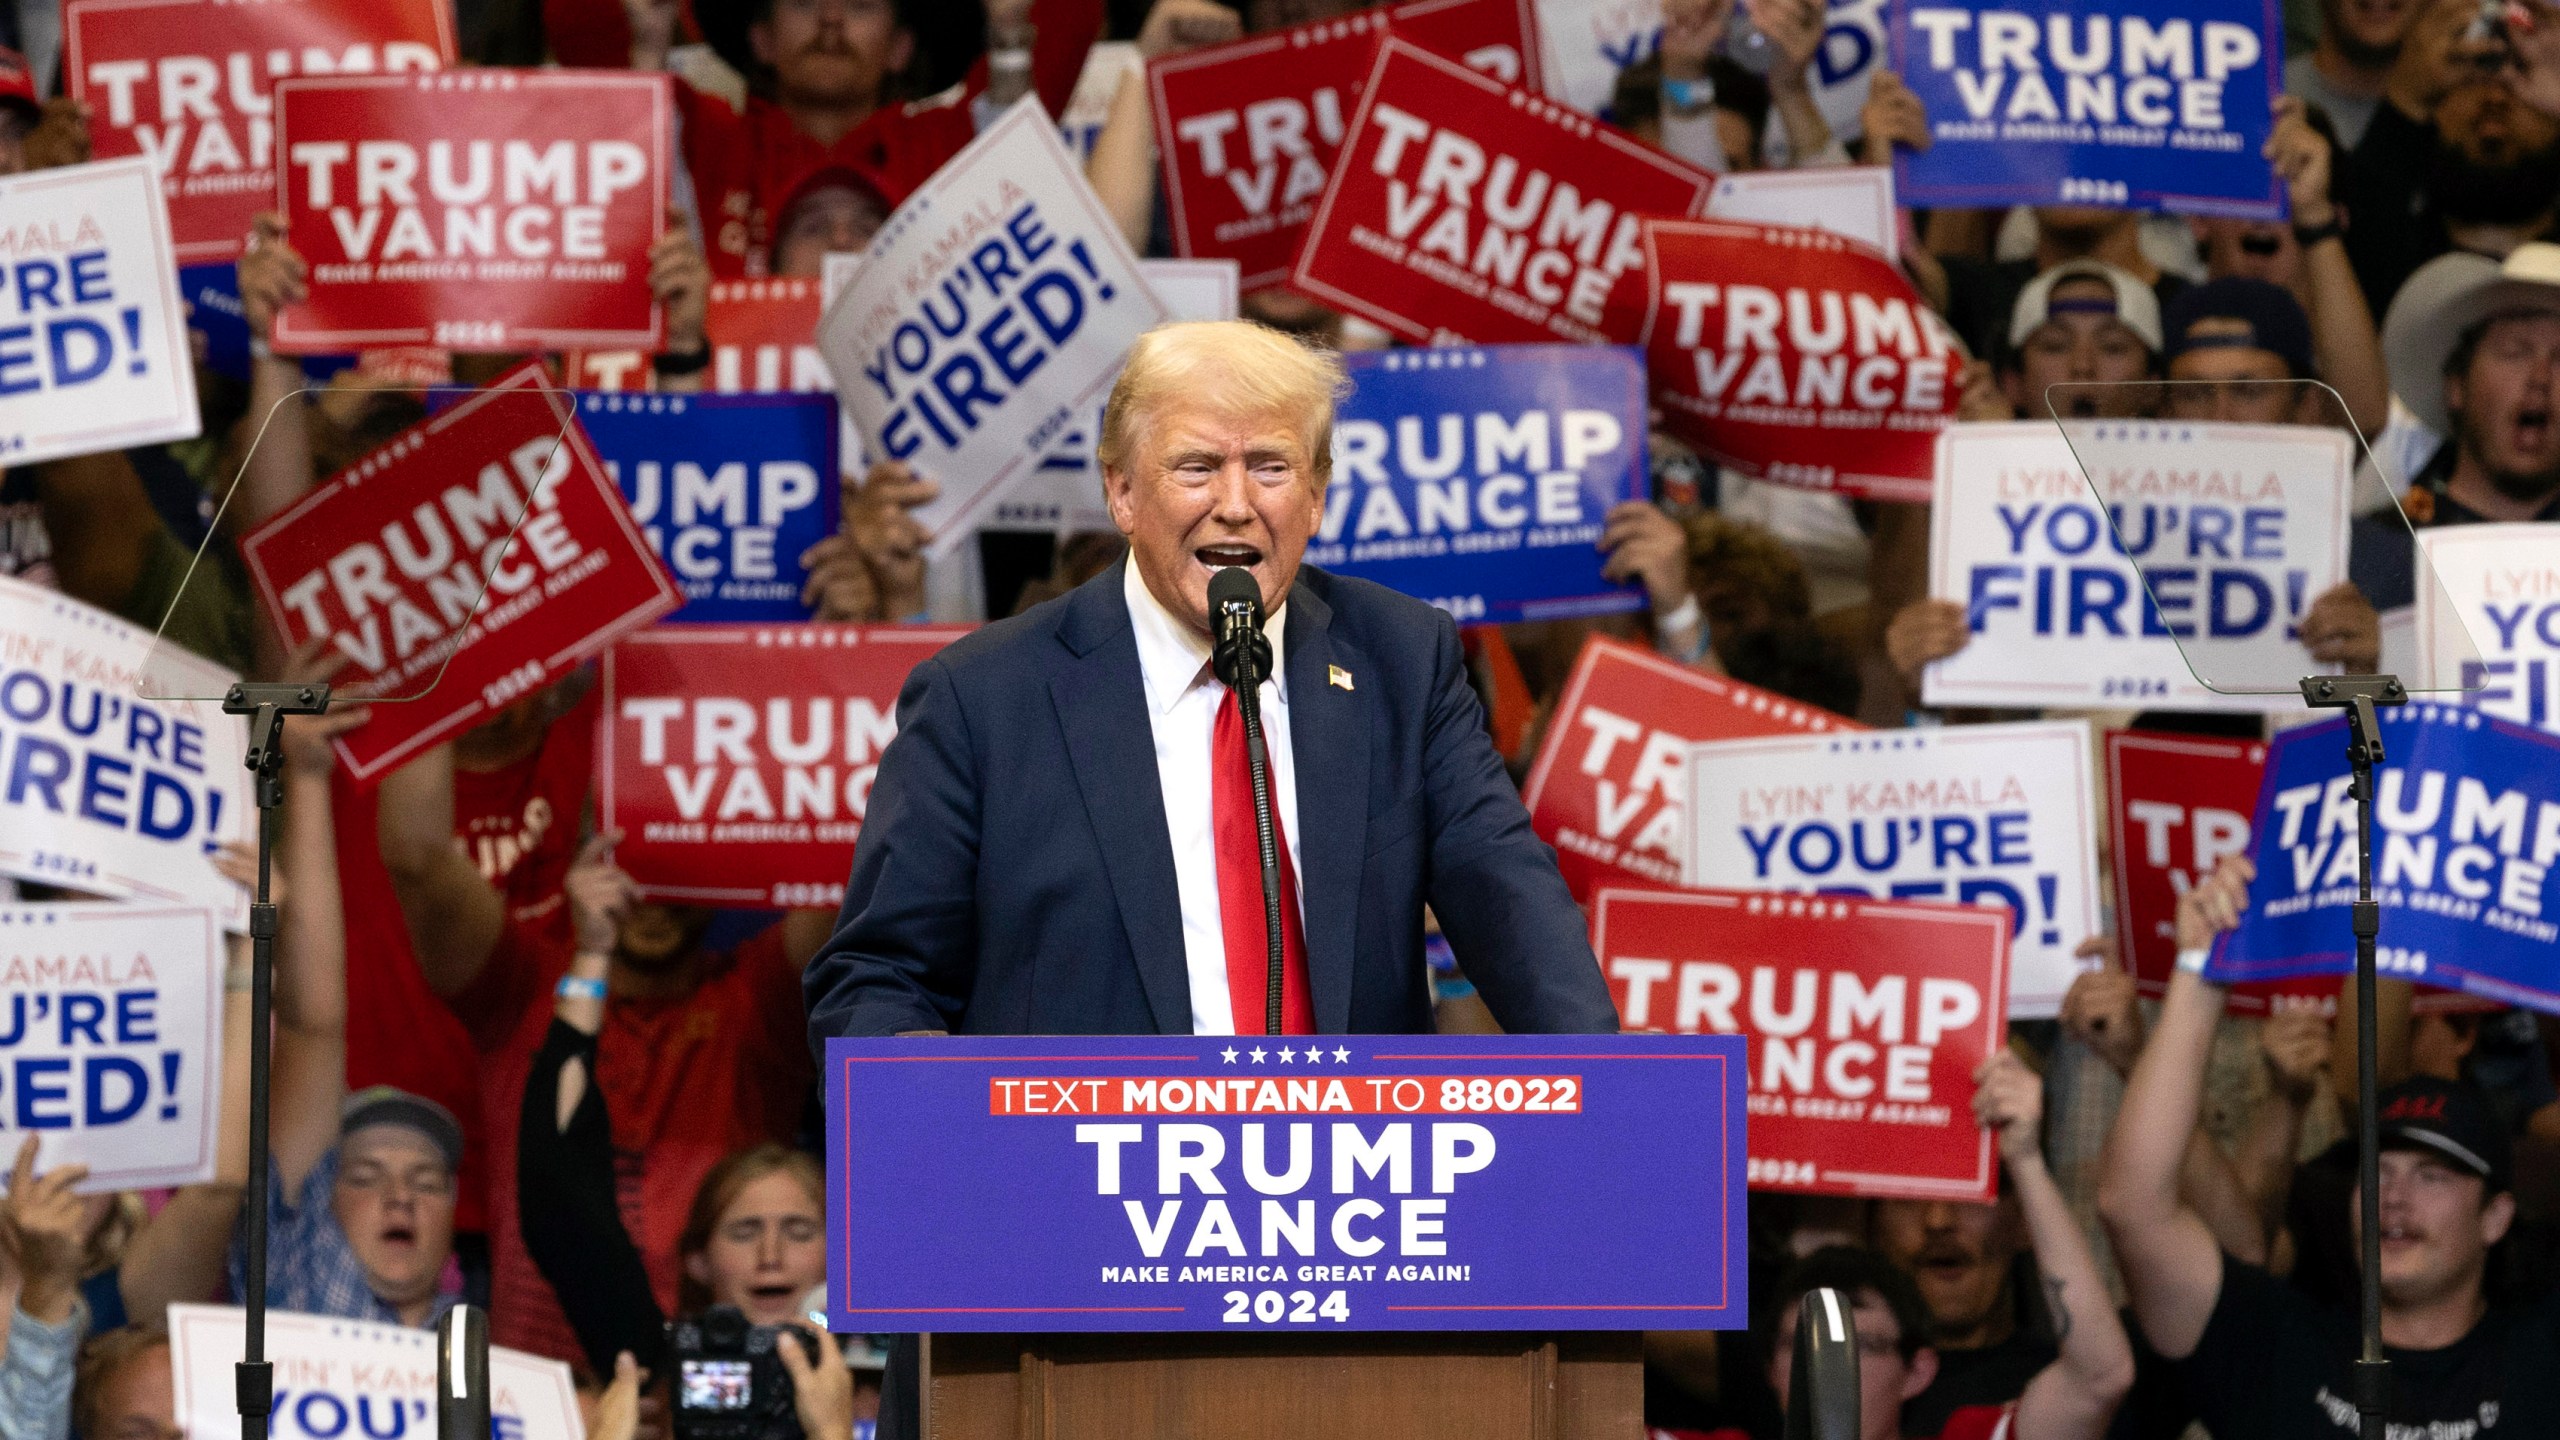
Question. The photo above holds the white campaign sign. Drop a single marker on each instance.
(93, 342)
(106, 791)
(1063, 493)
(1976, 814)
(111, 1040)
(344, 1379)
(1851, 200)
(2490, 625)
(2236, 529)
(1587, 42)
(986, 316)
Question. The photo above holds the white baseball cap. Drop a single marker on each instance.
(2135, 305)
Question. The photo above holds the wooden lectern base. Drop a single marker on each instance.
(1579, 1385)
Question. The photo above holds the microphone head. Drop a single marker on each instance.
(1233, 585)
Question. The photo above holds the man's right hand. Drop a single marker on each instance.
(2215, 903)
(1173, 26)
(1925, 631)
(1892, 116)
(600, 895)
(879, 517)
(45, 1225)
(270, 273)
(2100, 1011)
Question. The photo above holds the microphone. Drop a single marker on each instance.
(1822, 1385)
(1242, 657)
(462, 1373)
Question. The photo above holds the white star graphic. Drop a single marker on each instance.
(1228, 1054)
(1342, 1057)
(1287, 1054)
(1258, 1053)
(1315, 1054)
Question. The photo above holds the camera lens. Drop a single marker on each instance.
(724, 1327)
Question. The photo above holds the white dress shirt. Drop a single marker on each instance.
(1183, 695)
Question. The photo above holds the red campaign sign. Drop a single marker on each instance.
(428, 218)
(191, 83)
(1465, 210)
(763, 336)
(1866, 1020)
(1796, 356)
(488, 534)
(1605, 790)
(738, 759)
(1248, 131)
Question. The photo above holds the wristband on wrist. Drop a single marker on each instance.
(2192, 961)
(2307, 236)
(1688, 617)
(671, 365)
(1688, 97)
(579, 987)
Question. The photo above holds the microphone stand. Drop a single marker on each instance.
(462, 1374)
(1241, 657)
(2357, 695)
(1822, 1387)
(265, 703)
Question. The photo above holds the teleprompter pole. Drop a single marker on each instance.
(2358, 695)
(265, 703)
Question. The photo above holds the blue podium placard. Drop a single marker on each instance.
(1478, 478)
(2160, 105)
(2466, 830)
(1313, 1183)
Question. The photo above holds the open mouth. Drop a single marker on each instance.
(1226, 553)
(2533, 429)
(399, 1235)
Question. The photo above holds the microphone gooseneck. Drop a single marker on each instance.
(1242, 657)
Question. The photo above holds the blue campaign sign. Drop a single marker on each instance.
(1478, 478)
(2157, 105)
(1310, 1183)
(730, 489)
(2466, 830)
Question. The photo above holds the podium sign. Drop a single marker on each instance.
(1313, 1184)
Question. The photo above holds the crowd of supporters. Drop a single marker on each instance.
(473, 1008)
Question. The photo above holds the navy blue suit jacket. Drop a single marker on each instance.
(1015, 874)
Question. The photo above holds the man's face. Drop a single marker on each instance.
(2503, 404)
(2438, 1222)
(654, 936)
(2483, 121)
(1885, 1379)
(394, 1199)
(839, 52)
(1960, 1254)
(1203, 490)
(2080, 346)
(2367, 32)
(139, 1400)
(2232, 382)
(839, 217)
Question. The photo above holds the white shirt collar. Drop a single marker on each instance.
(1173, 657)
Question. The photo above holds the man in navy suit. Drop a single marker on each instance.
(1060, 839)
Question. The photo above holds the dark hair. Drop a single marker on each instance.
(1854, 1270)
(1795, 659)
(1636, 98)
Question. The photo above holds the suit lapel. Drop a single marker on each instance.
(1102, 708)
(1329, 744)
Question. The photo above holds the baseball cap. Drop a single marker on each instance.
(2447, 1119)
(18, 84)
(2272, 318)
(390, 1105)
(2133, 302)
(2444, 302)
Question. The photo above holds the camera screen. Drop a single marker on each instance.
(716, 1385)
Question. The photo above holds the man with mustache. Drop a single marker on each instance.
(2346, 74)
(2262, 1359)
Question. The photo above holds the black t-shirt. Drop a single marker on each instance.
(2275, 1366)
(1991, 1375)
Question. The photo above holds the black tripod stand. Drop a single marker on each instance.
(2358, 695)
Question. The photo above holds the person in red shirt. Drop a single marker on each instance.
(831, 68)
(702, 1052)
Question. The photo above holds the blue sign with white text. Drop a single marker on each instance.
(2466, 830)
(2162, 105)
(730, 489)
(1479, 478)
(1303, 1183)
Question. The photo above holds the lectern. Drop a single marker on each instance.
(1208, 1237)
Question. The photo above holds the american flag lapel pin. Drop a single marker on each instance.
(1340, 678)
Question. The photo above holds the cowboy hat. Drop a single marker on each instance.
(2444, 302)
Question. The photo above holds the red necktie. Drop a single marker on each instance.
(1240, 888)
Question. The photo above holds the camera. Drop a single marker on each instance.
(729, 1380)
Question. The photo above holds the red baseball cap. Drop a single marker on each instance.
(18, 83)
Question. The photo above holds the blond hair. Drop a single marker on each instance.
(1234, 367)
